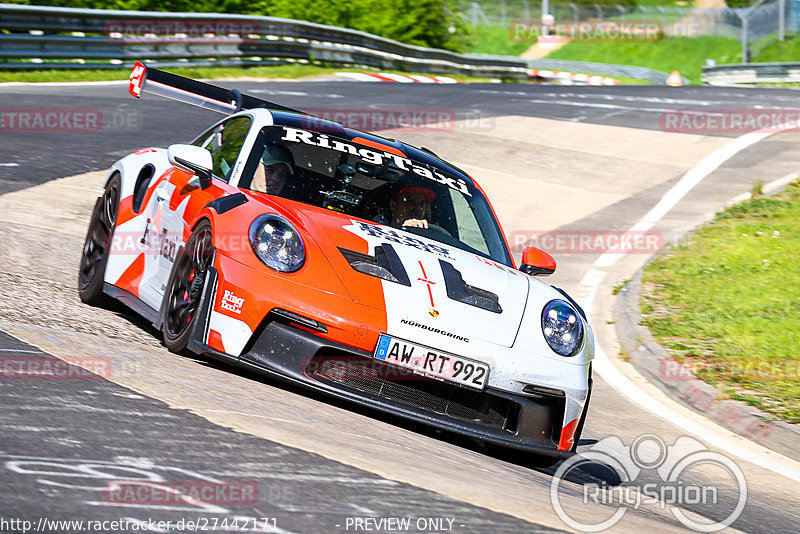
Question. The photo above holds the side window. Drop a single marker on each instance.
(225, 142)
(469, 231)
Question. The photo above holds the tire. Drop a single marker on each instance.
(185, 287)
(97, 246)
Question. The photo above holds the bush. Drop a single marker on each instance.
(432, 23)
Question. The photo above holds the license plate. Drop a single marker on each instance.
(432, 363)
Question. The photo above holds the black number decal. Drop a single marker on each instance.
(479, 376)
(458, 366)
(468, 370)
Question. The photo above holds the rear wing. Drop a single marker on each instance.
(149, 80)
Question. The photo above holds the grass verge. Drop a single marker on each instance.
(498, 41)
(92, 75)
(684, 54)
(288, 72)
(726, 303)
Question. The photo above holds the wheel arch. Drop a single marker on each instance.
(130, 169)
(204, 215)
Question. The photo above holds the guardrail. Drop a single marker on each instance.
(41, 37)
(751, 73)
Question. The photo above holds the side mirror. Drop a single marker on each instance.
(536, 261)
(193, 159)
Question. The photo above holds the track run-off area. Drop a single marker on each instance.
(567, 161)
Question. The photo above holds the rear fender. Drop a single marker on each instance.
(129, 167)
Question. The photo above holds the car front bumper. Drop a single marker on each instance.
(291, 352)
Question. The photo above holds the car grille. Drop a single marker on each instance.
(375, 377)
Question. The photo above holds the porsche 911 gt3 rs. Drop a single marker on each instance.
(346, 262)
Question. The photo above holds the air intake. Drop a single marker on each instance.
(385, 264)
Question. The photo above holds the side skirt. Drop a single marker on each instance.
(131, 301)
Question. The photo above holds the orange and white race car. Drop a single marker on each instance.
(352, 264)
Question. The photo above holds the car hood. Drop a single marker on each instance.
(427, 285)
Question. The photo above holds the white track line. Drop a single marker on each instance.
(764, 457)
(770, 188)
(606, 368)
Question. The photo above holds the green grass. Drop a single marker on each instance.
(687, 55)
(624, 80)
(292, 71)
(779, 51)
(483, 40)
(68, 75)
(684, 54)
(500, 41)
(726, 302)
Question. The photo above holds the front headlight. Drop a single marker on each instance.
(562, 328)
(277, 243)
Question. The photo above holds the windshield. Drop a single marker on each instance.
(379, 184)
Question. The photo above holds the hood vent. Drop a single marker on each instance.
(385, 264)
(460, 291)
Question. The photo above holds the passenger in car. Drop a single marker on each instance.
(273, 172)
(410, 206)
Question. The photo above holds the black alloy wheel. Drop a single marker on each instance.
(185, 287)
(97, 246)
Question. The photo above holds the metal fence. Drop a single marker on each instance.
(677, 20)
(35, 37)
(762, 21)
(40, 37)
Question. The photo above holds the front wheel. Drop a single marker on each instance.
(97, 246)
(185, 287)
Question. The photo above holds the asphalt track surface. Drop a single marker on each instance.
(62, 441)
(128, 123)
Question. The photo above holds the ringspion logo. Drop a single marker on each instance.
(653, 473)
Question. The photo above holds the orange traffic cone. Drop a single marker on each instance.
(675, 79)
